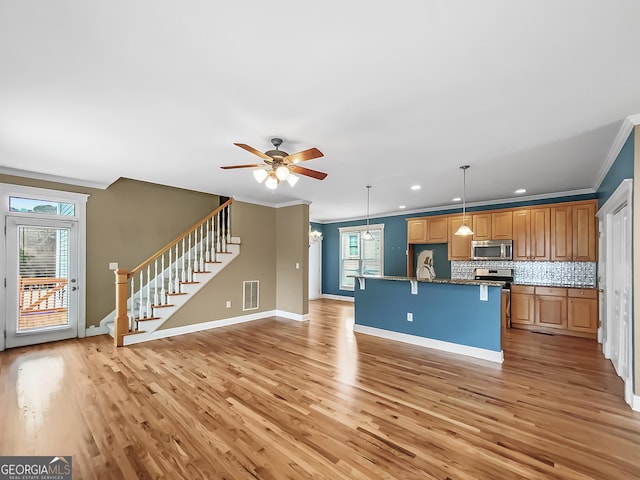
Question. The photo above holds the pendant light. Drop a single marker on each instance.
(464, 228)
(367, 235)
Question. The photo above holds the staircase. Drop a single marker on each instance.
(148, 295)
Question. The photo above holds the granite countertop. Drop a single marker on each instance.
(584, 287)
(438, 280)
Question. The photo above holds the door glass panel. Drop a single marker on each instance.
(43, 267)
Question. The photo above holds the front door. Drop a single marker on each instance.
(41, 262)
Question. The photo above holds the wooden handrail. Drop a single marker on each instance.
(169, 245)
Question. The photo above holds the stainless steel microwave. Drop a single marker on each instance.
(491, 249)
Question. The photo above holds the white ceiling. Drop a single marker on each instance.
(531, 94)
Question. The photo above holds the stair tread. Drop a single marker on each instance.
(163, 306)
(177, 293)
(133, 333)
(188, 283)
(146, 318)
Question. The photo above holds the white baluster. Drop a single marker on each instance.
(223, 233)
(176, 283)
(149, 291)
(190, 265)
(207, 245)
(213, 239)
(132, 311)
(196, 263)
(171, 271)
(228, 224)
(163, 293)
(201, 250)
(184, 270)
(156, 301)
(140, 302)
(218, 234)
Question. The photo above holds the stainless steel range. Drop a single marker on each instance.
(500, 275)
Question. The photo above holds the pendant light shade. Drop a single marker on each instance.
(367, 235)
(464, 228)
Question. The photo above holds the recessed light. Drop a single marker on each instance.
(457, 199)
(402, 207)
(521, 190)
(415, 187)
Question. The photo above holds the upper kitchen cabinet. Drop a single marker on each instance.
(573, 232)
(427, 230)
(493, 226)
(459, 246)
(531, 234)
(417, 230)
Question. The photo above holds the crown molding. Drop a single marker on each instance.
(16, 172)
(452, 206)
(270, 204)
(625, 130)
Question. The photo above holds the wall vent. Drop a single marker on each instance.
(250, 297)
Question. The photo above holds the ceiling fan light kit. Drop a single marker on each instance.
(279, 165)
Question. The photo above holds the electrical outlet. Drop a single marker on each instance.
(484, 293)
(113, 265)
(409, 317)
(297, 266)
(228, 304)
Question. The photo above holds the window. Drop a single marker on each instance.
(42, 207)
(359, 256)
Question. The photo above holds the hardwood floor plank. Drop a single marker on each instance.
(279, 399)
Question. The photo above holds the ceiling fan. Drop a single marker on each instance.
(279, 165)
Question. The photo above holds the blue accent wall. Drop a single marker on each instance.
(395, 242)
(447, 312)
(621, 168)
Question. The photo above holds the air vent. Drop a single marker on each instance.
(251, 296)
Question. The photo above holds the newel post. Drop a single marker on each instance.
(121, 324)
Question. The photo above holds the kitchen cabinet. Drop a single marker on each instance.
(459, 246)
(551, 307)
(531, 234)
(417, 230)
(573, 232)
(582, 312)
(493, 226)
(522, 305)
(502, 225)
(558, 310)
(427, 229)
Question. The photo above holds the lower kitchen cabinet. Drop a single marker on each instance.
(558, 310)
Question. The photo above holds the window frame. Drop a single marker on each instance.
(360, 229)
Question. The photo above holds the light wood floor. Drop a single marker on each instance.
(279, 399)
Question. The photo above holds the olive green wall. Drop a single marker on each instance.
(293, 249)
(256, 227)
(126, 223)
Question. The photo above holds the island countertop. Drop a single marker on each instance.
(452, 281)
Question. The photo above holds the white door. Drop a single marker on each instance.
(315, 270)
(41, 272)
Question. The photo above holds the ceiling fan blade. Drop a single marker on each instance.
(308, 172)
(255, 152)
(303, 156)
(228, 167)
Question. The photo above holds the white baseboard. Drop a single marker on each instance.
(343, 298)
(635, 403)
(292, 316)
(93, 331)
(198, 327)
(475, 352)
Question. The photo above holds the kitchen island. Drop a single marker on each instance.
(459, 316)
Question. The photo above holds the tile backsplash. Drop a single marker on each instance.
(566, 274)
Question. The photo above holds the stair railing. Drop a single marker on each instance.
(151, 284)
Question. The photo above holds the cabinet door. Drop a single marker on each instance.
(437, 229)
(521, 234)
(551, 311)
(583, 315)
(482, 226)
(459, 246)
(540, 239)
(417, 230)
(501, 226)
(561, 233)
(522, 309)
(584, 232)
